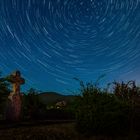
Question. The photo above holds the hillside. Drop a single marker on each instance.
(53, 97)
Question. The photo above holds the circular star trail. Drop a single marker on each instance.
(52, 41)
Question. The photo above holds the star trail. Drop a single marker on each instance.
(52, 41)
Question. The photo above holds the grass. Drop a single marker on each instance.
(64, 131)
(47, 132)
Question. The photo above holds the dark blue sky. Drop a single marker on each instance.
(52, 41)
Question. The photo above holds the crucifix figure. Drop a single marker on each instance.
(14, 108)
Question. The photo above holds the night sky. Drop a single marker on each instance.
(53, 41)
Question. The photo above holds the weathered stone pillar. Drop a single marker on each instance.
(14, 99)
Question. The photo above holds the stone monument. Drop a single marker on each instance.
(14, 103)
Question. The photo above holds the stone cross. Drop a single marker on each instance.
(14, 107)
(16, 81)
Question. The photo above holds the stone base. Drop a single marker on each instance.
(14, 108)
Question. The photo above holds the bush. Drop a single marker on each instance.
(32, 107)
(100, 112)
(4, 92)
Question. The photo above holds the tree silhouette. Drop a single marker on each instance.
(4, 91)
(32, 105)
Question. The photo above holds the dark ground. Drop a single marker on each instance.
(49, 130)
(38, 131)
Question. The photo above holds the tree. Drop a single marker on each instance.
(4, 92)
(32, 105)
(99, 112)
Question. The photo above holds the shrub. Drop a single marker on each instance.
(32, 106)
(100, 112)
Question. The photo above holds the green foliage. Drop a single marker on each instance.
(126, 90)
(100, 112)
(4, 92)
(4, 89)
(32, 105)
